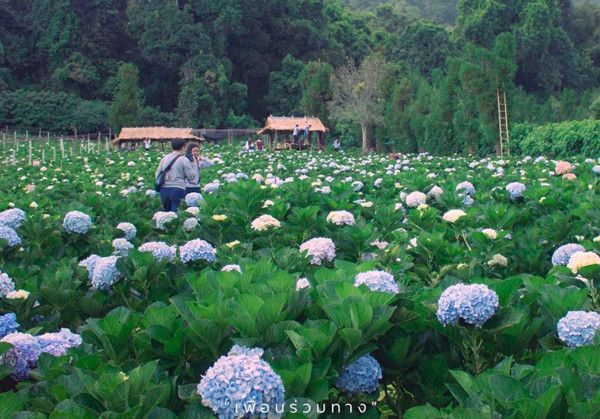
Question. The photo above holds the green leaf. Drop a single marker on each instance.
(9, 404)
(507, 389)
(352, 338)
(587, 359)
(464, 379)
(245, 324)
(119, 399)
(506, 289)
(318, 390)
(140, 377)
(528, 408)
(423, 412)
(270, 311)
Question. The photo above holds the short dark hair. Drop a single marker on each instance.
(177, 144)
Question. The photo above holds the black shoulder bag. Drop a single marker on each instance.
(160, 179)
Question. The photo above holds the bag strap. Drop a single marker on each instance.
(170, 165)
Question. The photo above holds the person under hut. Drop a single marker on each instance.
(307, 133)
(249, 145)
(296, 134)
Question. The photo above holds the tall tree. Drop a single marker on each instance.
(357, 95)
(128, 99)
(285, 91)
(317, 91)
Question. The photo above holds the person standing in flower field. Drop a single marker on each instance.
(259, 145)
(336, 145)
(176, 171)
(147, 144)
(198, 163)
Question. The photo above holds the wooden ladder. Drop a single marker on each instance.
(503, 123)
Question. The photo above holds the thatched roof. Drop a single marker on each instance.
(154, 133)
(286, 125)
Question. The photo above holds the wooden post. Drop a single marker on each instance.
(88, 146)
(30, 152)
(74, 143)
(43, 155)
(62, 147)
(4, 142)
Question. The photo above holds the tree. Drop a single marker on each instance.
(128, 99)
(315, 79)
(285, 90)
(357, 96)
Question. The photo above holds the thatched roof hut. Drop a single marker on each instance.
(281, 126)
(286, 125)
(132, 135)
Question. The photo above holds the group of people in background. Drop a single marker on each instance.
(298, 130)
(250, 145)
(182, 167)
(181, 170)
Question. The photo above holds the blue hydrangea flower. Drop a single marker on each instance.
(8, 324)
(151, 193)
(10, 236)
(467, 201)
(57, 343)
(89, 263)
(302, 283)
(466, 188)
(23, 356)
(515, 189)
(211, 187)
(231, 268)
(362, 376)
(238, 381)
(105, 273)
(196, 250)
(596, 169)
(193, 198)
(562, 255)
(578, 328)
(377, 281)
(77, 222)
(122, 246)
(162, 218)
(190, 224)
(160, 250)
(12, 218)
(6, 284)
(475, 304)
(129, 230)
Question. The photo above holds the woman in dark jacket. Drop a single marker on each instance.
(198, 163)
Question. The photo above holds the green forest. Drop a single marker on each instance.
(435, 65)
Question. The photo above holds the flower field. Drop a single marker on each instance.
(300, 285)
